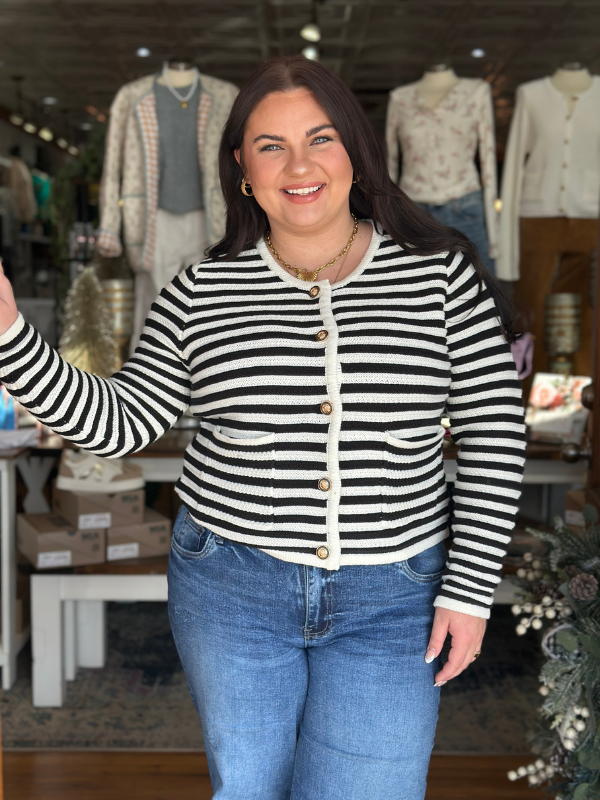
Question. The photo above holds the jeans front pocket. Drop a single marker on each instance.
(427, 566)
(190, 538)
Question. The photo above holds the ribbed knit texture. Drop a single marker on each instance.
(408, 339)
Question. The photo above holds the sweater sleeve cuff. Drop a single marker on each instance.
(12, 332)
(108, 244)
(464, 608)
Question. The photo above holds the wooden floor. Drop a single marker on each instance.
(184, 776)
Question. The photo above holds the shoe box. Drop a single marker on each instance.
(92, 510)
(132, 530)
(151, 537)
(49, 541)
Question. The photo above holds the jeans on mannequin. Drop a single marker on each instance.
(180, 242)
(466, 214)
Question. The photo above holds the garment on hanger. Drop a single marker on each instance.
(558, 253)
(552, 163)
(130, 181)
(21, 183)
(439, 146)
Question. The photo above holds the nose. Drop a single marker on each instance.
(299, 163)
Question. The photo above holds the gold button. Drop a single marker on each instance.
(562, 188)
(565, 166)
(324, 484)
(323, 552)
(315, 291)
(566, 141)
(561, 210)
(326, 408)
(322, 335)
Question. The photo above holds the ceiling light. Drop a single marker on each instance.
(16, 119)
(62, 143)
(49, 101)
(29, 128)
(86, 126)
(311, 52)
(101, 117)
(478, 52)
(311, 32)
(46, 134)
(73, 150)
(142, 52)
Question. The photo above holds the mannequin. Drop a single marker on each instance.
(550, 198)
(436, 84)
(438, 123)
(160, 181)
(572, 79)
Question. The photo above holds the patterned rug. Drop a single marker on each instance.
(140, 699)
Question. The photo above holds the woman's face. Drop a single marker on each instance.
(295, 161)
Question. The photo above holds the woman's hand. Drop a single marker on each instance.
(467, 635)
(8, 307)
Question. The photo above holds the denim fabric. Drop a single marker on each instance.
(467, 215)
(310, 684)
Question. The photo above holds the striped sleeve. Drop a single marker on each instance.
(111, 417)
(486, 417)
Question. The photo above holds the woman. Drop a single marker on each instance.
(309, 592)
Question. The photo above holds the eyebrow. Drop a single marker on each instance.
(311, 132)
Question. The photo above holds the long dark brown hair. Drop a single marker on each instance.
(375, 196)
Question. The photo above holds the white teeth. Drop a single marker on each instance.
(310, 190)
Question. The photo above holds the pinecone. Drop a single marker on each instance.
(583, 587)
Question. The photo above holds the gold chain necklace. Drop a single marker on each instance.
(303, 274)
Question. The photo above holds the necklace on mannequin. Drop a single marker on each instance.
(311, 275)
(183, 100)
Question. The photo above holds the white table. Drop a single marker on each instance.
(68, 611)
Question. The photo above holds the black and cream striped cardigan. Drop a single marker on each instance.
(320, 439)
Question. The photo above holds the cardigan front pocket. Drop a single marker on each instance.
(236, 477)
(413, 481)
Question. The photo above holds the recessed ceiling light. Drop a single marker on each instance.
(311, 32)
(101, 117)
(478, 52)
(16, 119)
(62, 143)
(49, 101)
(86, 126)
(142, 52)
(46, 134)
(73, 150)
(29, 128)
(311, 52)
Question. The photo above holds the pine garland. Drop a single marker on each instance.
(87, 340)
(561, 588)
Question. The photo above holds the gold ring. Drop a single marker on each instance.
(477, 654)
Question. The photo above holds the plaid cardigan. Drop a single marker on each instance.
(129, 189)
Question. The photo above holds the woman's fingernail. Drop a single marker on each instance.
(430, 655)
(440, 683)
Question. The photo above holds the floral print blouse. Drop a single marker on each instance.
(438, 146)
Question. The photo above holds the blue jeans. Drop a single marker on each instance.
(467, 215)
(310, 684)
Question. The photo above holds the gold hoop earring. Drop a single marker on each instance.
(356, 180)
(245, 190)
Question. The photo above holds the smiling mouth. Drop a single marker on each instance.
(307, 190)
